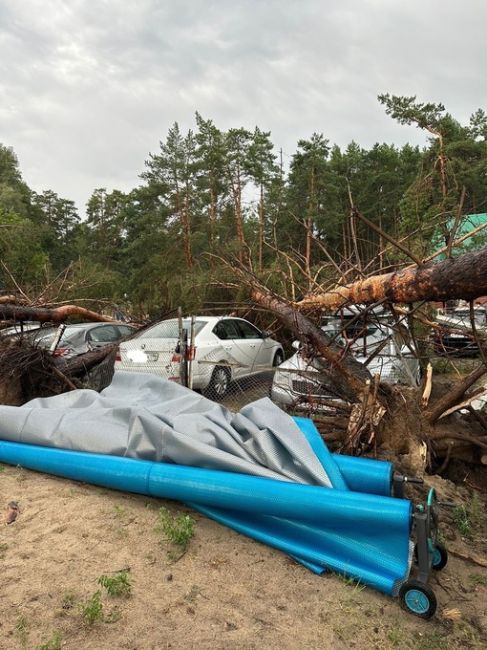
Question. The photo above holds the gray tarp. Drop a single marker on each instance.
(144, 416)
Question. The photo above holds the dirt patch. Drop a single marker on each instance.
(225, 592)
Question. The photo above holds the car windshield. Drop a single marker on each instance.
(169, 329)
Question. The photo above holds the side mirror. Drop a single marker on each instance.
(265, 334)
(296, 345)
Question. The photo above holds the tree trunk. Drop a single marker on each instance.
(43, 315)
(347, 375)
(261, 228)
(463, 277)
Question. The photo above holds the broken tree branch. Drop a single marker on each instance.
(43, 315)
(455, 395)
(463, 277)
(385, 236)
(349, 374)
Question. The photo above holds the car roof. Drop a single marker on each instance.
(209, 319)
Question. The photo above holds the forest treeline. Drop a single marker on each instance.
(208, 194)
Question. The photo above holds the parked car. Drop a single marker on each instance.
(456, 336)
(19, 329)
(225, 349)
(80, 338)
(297, 384)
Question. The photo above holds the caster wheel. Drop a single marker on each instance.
(418, 599)
(440, 557)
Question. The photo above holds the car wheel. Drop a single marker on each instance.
(278, 359)
(219, 382)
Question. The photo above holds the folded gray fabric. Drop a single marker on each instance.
(148, 417)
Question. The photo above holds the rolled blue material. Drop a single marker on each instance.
(359, 474)
(362, 535)
(321, 452)
(357, 554)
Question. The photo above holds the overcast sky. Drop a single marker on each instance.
(89, 87)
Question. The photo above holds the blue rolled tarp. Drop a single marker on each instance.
(365, 536)
(349, 472)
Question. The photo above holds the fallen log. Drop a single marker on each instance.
(7, 299)
(347, 375)
(463, 277)
(45, 315)
(83, 362)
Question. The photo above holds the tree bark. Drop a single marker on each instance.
(43, 315)
(348, 375)
(463, 277)
(455, 395)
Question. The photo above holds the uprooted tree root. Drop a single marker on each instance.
(405, 432)
(29, 371)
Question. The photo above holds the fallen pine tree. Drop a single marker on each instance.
(444, 427)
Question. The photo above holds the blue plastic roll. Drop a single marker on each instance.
(355, 555)
(359, 474)
(365, 536)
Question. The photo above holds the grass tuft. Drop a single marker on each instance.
(92, 609)
(178, 530)
(54, 643)
(117, 585)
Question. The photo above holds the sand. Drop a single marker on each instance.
(226, 592)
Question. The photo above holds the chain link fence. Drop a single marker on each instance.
(231, 361)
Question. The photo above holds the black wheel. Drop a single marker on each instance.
(278, 359)
(418, 599)
(219, 382)
(440, 557)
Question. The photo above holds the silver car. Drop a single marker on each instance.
(297, 384)
(225, 349)
(80, 338)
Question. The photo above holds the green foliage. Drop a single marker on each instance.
(469, 518)
(54, 643)
(477, 579)
(208, 194)
(117, 585)
(92, 609)
(178, 530)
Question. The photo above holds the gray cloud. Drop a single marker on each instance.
(89, 88)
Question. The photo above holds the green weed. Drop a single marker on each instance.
(92, 609)
(351, 582)
(54, 643)
(3, 550)
(477, 579)
(396, 636)
(117, 585)
(178, 530)
(431, 641)
(468, 518)
(120, 510)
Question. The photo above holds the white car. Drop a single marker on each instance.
(226, 348)
(297, 384)
(456, 338)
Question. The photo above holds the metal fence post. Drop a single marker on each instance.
(183, 349)
(191, 352)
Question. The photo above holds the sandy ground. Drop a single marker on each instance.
(225, 592)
